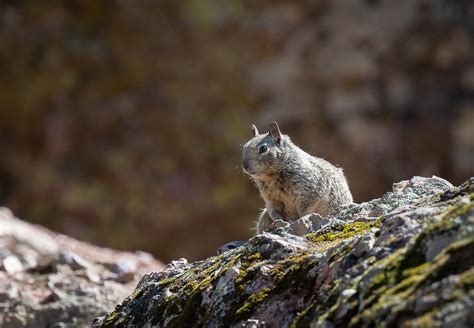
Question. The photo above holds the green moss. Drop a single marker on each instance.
(299, 320)
(454, 259)
(137, 293)
(466, 280)
(345, 231)
(327, 301)
(447, 223)
(285, 274)
(429, 319)
(186, 290)
(112, 319)
(247, 273)
(252, 301)
(406, 286)
(459, 209)
(328, 304)
(249, 265)
(166, 281)
(288, 266)
(254, 257)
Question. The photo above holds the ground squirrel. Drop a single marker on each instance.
(291, 182)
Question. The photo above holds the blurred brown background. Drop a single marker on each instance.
(121, 122)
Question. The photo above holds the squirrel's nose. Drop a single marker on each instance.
(245, 164)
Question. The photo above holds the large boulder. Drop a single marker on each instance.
(405, 259)
(52, 280)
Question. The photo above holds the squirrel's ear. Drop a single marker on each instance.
(275, 132)
(254, 130)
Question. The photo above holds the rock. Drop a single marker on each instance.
(51, 280)
(280, 224)
(93, 277)
(51, 296)
(410, 266)
(307, 224)
(8, 292)
(348, 292)
(73, 260)
(122, 271)
(253, 323)
(12, 264)
(301, 227)
(363, 245)
(275, 246)
(180, 263)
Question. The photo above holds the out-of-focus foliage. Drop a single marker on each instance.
(121, 121)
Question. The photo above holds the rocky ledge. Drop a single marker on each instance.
(406, 259)
(52, 280)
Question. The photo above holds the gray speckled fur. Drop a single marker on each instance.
(292, 182)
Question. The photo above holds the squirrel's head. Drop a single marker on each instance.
(262, 153)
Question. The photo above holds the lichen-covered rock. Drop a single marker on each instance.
(405, 259)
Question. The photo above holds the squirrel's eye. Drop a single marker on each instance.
(262, 149)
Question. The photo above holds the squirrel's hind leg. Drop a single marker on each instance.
(266, 223)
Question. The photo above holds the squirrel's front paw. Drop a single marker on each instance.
(280, 224)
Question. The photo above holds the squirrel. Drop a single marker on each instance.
(292, 182)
